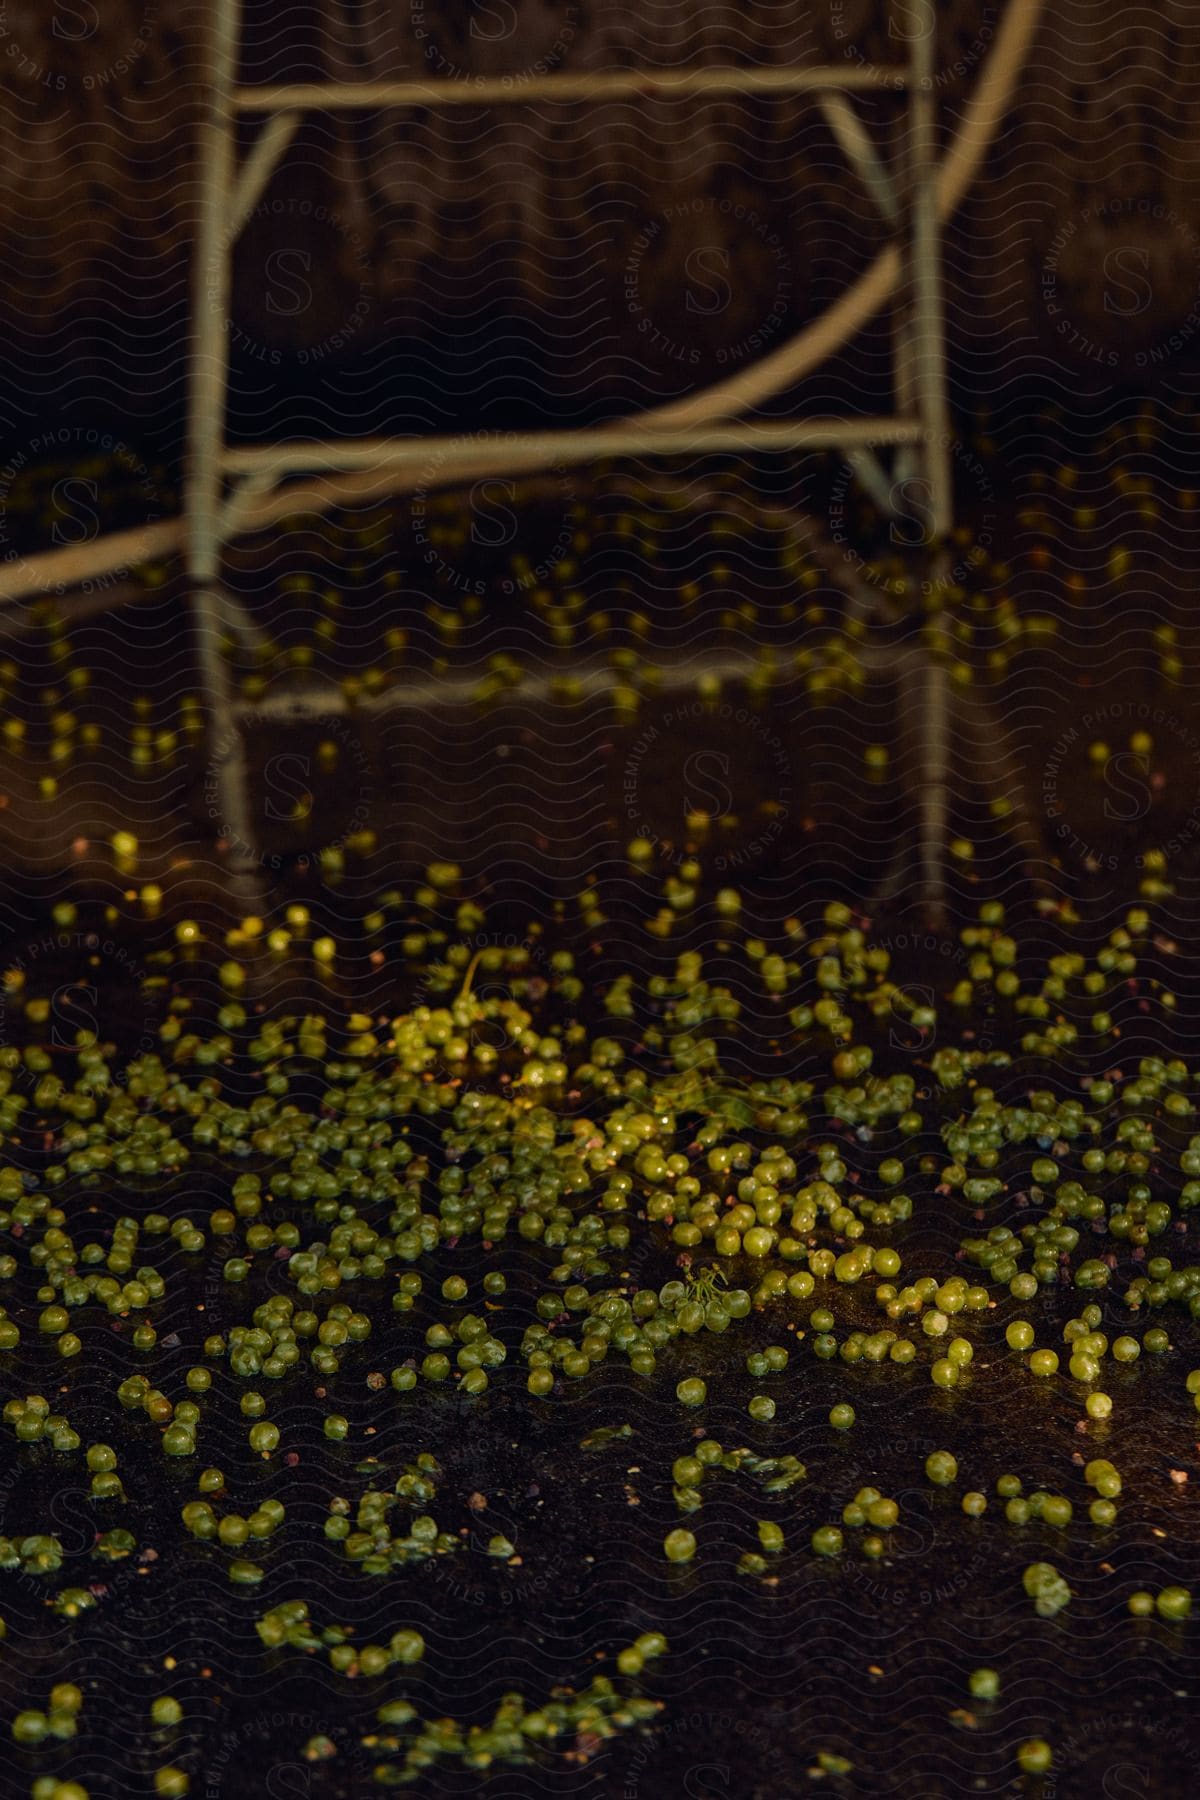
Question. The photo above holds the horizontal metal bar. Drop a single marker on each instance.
(591, 678)
(510, 90)
(440, 455)
(59, 571)
(62, 571)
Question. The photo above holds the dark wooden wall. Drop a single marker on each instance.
(634, 251)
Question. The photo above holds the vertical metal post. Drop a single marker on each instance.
(210, 295)
(928, 333)
(906, 459)
(207, 402)
(927, 373)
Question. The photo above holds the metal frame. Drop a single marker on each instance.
(908, 202)
(69, 567)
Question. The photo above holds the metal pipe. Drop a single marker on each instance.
(206, 429)
(57, 570)
(261, 162)
(815, 343)
(858, 149)
(244, 493)
(907, 459)
(509, 90)
(441, 455)
(226, 747)
(64, 571)
(210, 297)
(861, 154)
(873, 476)
(934, 798)
(928, 333)
(591, 677)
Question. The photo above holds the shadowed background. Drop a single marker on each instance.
(535, 262)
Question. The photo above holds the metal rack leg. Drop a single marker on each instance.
(210, 297)
(226, 746)
(206, 428)
(929, 354)
(906, 460)
(919, 352)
